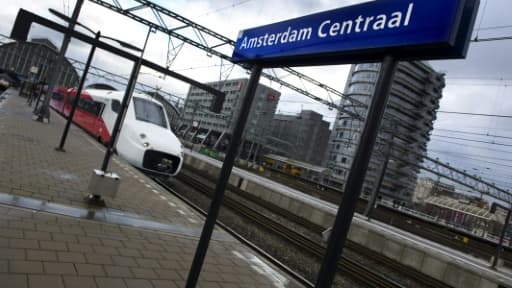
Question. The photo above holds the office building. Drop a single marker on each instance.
(200, 125)
(303, 137)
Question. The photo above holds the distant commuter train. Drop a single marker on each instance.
(146, 140)
(321, 176)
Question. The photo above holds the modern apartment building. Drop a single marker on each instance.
(199, 125)
(405, 131)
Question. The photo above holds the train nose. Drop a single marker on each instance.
(160, 161)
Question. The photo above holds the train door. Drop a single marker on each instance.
(105, 123)
(67, 103)
(94, 109)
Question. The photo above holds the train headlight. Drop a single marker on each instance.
(146, 144)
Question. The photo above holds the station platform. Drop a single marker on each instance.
(143, 237)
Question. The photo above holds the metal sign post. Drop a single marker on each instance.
(375, 193)
(357, 173)
(124, 106)
(44, 112)
(77, 96)
(222, 182)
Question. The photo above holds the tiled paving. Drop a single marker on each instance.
(41, 249)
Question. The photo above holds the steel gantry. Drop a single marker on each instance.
(461, 177)
(176, 101)
(221, 46)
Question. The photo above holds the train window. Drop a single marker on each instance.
(90, 106)
(116, 106)
(149, 112)
(57, 96)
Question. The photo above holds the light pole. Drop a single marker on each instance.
(44, 111)
(84, 74)
(96, 198)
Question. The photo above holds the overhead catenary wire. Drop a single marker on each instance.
(473, 133)
(492, 39)
(482, 161)
(223, 8)
(472, 146)
(494, 27)
(474, 140)
(475, 114)
(464, 155)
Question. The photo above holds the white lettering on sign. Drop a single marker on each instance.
(288, 36)
(332, 28)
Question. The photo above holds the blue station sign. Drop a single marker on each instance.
(406, 29)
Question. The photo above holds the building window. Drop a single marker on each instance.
(344, 160)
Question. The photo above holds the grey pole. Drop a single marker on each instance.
(120, 116)
(356, 175)
(124, 106)
(44, 111)
(502, 237)
(78, 93)
(371, 203)
(222, 182)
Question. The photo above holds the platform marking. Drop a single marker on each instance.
(94, 143)
(163, 197)
(278, 279)
(147, 185)
(192, 220)
(181, 212)
(142, 180)
(170, 203)
(155, 191)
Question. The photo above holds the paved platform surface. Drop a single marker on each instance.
(144, 237)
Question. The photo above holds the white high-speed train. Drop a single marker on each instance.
(146, 140)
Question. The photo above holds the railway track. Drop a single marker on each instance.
(447, 236)
(358, 271)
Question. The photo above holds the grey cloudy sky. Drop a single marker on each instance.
(479, 84)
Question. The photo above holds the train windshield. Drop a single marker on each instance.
(148, 111)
